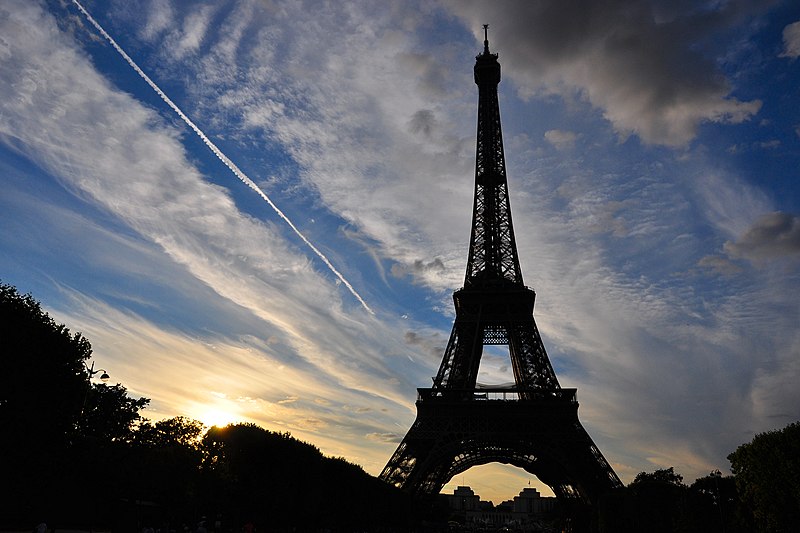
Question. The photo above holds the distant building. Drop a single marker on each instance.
(528, 511)
(464, 499)
(530, 501)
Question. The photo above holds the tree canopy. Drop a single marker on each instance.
(50, 411)
(767, 472)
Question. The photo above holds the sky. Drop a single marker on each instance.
(258, 210)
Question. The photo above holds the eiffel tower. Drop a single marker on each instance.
(532, 425)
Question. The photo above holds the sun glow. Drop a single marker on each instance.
(213, 416)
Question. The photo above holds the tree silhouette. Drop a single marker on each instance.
(56, 424)
(714, 505)
(272, 479)
(767, 472)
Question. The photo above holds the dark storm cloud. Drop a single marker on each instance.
(638, 64)
(773, 235)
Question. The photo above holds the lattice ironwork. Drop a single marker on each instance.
(535, 424)
(492, 249)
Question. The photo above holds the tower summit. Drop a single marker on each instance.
(533, 424)
(492, 250)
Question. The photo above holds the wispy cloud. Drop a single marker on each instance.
(260, 384)
(133, 167)
(605, 241)
(196, 27)
(360, 119)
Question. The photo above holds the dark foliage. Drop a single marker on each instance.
(274, 480)
(661, 502)
(767, 471)
(58, 427)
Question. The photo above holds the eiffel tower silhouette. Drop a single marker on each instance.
(533, 424)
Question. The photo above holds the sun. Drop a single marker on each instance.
(217, 417)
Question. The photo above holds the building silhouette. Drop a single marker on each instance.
(528, 511)
(532, 424)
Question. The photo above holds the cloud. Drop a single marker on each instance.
(644, 73)
(719, 265)
(791, 40)
(770, 145)
(133, 167)
(432, 344)
(367, 136)
(423, 121)
(159, 16)
(773, 235)
(385, 437)
(418, 269)
(376, 120)
(236, 379)
(289, 399)
(561, 139)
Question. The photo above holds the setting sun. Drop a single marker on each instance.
(216, 417)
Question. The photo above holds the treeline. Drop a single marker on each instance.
(172, 475)
(758, 498)
(77, 454)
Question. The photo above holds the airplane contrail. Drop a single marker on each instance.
(222, 157)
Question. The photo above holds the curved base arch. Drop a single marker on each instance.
(542, 436)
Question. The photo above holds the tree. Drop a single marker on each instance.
(42, 376)
(162, 466)
(658, 501)
(53, 419)
(269, 478)
(767, 472)
(109, 414)
(714, 505)
(662, 476)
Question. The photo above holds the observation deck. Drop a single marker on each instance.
(497, 394)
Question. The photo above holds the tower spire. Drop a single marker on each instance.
(492, 250)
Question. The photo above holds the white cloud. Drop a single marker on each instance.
(370, 134)
(159, 15)
(133, 167)
(791, 40)
(561, 139)
(189, 37)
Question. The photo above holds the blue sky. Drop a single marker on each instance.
(652, 152)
